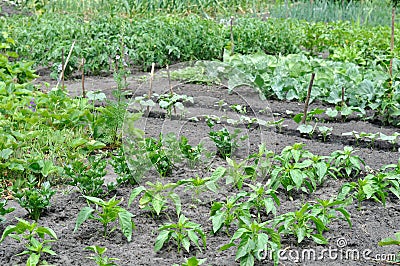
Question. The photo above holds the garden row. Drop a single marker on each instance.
(167, 39)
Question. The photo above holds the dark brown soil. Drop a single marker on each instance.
(371, 223)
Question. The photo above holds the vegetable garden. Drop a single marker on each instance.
(199, 133)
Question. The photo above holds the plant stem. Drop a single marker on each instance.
(83, 78)
(392, 42)
(303, 120)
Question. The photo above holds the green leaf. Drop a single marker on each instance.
(33, 259)
(83, 215)
(247, 260)
(135, 193)
(177, 202)
(226, 247)
(218, 173)
(186, 244)
(319, 239)
(41, 231)
(297, 177)
(194, 238)
(217, 221)
(160, 240)
(5, 154)
(300, 233)
(125, 221)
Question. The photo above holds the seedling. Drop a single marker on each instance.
(299, 224)
(172, 101)
(220, 104)
(33, 199)
(263, 199)
(110, 212)
(346, 163)
(158, 156)
(370, 137)
(226, 213)
(310, 115)
(121, 168)
(199, 185)
(155, 198)
(28, 232)
(225, 141)
(99, 258)
(239, 108)
(391, 139)
(238, 172)
(192, 154)
(182, 233)
(306, 129)
(353, 133)
(255, 238)
(332, 113)
(325, 131)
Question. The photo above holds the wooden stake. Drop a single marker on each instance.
(303, 120)
(170, 86)
(232, 40)
(151, 84)
(342, 96)
(83, 78)
(66, 62)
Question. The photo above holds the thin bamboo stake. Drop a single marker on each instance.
(151, 84)
(170, 86)
(303, 120)
(66, 62)
(342, 96)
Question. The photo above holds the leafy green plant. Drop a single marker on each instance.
(372, 187)
(4, 210)
(262, 199)
(224, 214)
(99, 258)
(88, 177)
(237, 172)
(300, 224)
(198, 185)
(192, 154)
(27, 232)
(298, 169)
(172, 101)
(193, 261)
(156, 152)
(325, 131)
(306, 129)
(225, 142)
(239, 108)
(121, 168)
(32, 198)
(310, 115)
(156, 197)
(326, 210)
(346, 163)
(110, 212)
(255, 238)
(182, 233)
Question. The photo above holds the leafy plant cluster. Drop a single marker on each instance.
(98, 40)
